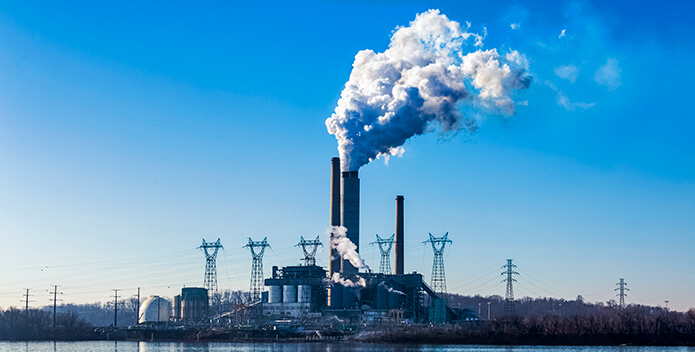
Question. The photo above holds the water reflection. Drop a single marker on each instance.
(132, 346)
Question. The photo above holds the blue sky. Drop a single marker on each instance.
(129, 132)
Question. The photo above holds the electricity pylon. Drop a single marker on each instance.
(211, 249)
(257, 267)
(309, 248)
(509, 296)
(438, 277)
(385, 245)
(621, 288)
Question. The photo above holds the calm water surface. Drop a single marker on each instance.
(123, 346)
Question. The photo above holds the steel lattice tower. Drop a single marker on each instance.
(438, 277)
(309, 248)
(509, 296)
(385, 245)
(621, 288)
(210, 249)
(257, 267)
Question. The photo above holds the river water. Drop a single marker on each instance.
(129, 346)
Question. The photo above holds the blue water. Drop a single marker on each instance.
(128, 346)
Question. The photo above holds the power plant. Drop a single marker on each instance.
(342, 291)
(309, 294)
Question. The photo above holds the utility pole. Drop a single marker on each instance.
(479, 308)
(488, 310)
(257, 267)
(115, 307)
(55, 303)
(385, 245)
(26, 302)
(509, 296)
(666, 304)
(621, 288)
(138, 308)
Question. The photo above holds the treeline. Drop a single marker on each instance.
(37, 324)
(638, 325)
(103, 315)
(528, 306)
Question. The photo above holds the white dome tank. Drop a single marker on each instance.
(154, 309)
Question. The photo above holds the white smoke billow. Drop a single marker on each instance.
(345, 248)
(361, 282)
(418, 84)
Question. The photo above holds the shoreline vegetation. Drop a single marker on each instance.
(634, 325)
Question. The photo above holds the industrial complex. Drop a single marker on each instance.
(311, 295)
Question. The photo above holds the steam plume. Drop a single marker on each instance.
(361, 282)
(419, 84)
(345, 248)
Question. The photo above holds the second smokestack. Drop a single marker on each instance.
(399, 235)
(350, 213)
(334, 265)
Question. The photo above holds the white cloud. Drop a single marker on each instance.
(562, 34)
(515, 25)
(568, 72)
(608, 75)
(565, 102)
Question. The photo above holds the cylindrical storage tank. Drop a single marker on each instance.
(349, 297)
(194, 304)
(304, 293)
(274, 294)
(289, 293)
(154, 310)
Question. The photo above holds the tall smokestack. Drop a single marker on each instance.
(399, 235)
(350, 214)
(334, 259)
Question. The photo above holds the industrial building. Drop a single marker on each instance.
(339, 293)
(191, 306)
(297, 291)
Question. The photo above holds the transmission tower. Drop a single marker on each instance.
(621, 288)
(509, 296)
(257, 267)
(210, 249)
(438, 277)
(385, 245)
(309, 248)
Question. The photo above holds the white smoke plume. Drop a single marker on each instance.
(361, 282)
(419, 84)
(345, 248)
(390, 289)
